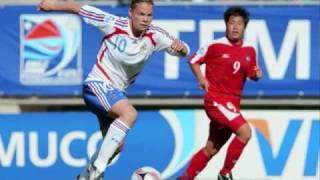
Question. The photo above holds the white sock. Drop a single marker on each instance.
(93, 157)
(84, 173)
(116, 133)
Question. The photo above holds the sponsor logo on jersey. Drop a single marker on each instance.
(225, 56)
(248, 58)
(50, 50)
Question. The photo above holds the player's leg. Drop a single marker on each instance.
(103, 99)
(236, 147)
(218, 136)
(116, 133)
(200, 160)
(104, 122)
(242, 130)
(95, 106)
(104, 126)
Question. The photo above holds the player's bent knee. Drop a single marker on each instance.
(129, 116)
(211, 149)
(248, 133)
(133, 114)
(245, 136)
(211, 152)
(244, 133)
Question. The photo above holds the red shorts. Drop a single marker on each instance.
(224, 114)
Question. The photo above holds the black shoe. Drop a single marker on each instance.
(226, 177)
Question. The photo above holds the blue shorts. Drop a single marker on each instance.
(101, 96)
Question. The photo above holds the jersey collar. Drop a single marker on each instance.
(235, 44)
(131, 32)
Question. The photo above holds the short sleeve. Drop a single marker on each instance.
(162, 37)
(199, 56)
(164, 41)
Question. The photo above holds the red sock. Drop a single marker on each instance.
(197, 164)
(233, 153)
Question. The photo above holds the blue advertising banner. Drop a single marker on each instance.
(49, 54)
(50, 146)
(58, 145)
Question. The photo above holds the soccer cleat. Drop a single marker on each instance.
(84, 174)
(94, 173)
(226, 177)
(80, 177)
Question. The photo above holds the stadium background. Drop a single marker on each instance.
(46, 132)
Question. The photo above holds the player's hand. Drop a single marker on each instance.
(203, 84)
(257, 73)
(179, 46)
(46, 5)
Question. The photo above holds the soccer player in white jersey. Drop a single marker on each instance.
(127, 44)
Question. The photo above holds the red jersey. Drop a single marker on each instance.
(227, 67)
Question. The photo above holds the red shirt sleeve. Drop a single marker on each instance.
(199, 56)
(253, 65)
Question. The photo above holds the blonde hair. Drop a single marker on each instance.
(135, 2)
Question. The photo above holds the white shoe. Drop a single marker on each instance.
(94, 173)
(84, 174)
(80, 177)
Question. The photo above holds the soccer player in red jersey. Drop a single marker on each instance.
(229, 63)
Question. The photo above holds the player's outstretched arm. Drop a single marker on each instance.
(180, 47)
(58, 5)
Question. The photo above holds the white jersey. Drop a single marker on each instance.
(122, 55)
